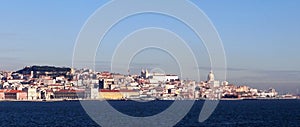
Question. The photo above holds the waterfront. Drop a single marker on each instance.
(228, 113)
(50, 83)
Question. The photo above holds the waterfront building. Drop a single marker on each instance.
(269, 93)
(31, 93)
(69, 94)
(92, 93)
(49, 94)
(15, 95)
(127, 94)
(2, 96)
(110, 94)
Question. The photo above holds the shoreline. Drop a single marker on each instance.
(223, 99)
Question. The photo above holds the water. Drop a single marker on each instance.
(228, 113)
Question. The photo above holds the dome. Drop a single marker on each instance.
(210, 77)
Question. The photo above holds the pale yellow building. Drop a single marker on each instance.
(117, 94)
(110, 94)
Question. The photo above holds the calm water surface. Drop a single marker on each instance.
(228, 113)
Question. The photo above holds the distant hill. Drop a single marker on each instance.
(43, 70)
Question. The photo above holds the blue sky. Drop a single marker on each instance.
(261, 38)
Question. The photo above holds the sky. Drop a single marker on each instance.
(260, 38)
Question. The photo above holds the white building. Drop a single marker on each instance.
(225, 83)
(156, 78)
(31, 93)
(106, 83)
(94, 93)
(211, 80)
(270, 93)
(215, 83)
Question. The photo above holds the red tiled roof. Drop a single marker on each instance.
(104, 90)
(14, 91)
(69, 91)
(124, 90)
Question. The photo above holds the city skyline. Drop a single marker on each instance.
(259, 37)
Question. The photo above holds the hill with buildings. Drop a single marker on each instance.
(44, 70)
